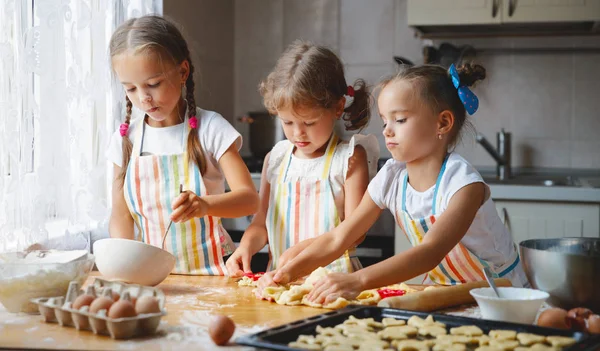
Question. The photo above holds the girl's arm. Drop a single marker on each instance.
(331, 245)
(242, 200)
(255, 236)
(121, 222)
(442, 237)
(355, 186)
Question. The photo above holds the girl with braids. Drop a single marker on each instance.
(438, 199)
(175, 144)
(313, 180)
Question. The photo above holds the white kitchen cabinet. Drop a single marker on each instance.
(537, 220)
(473, 12)
(523, 11)
(444, 12)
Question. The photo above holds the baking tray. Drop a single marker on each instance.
(277, 338)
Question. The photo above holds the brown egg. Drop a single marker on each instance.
(115, 295)
(147, 304)
(122, 309)
(593, 324)
(83, 300)
(577, 317)
(221, 329)
(100, 303)
(554, 318)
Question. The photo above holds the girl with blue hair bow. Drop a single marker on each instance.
(439, 200)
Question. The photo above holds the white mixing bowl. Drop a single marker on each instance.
(132, 261)
(517, 305)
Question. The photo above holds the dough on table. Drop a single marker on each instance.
(298, 293)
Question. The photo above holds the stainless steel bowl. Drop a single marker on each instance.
(568, 269)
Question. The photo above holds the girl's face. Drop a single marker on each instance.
(410, 128)
(308, 128)
(152, 84)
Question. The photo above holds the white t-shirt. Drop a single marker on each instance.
(487, 237)
(216, 136)
(300, 168)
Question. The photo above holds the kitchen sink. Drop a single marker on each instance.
(534, 180)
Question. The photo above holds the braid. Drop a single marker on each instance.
(127, 145)
(193, 144)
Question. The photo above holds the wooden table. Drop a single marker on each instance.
(191, 301)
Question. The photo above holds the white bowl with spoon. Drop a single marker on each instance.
(132, 261)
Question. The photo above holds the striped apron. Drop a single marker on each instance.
(460, 265)
(151, 184)
(304, 209)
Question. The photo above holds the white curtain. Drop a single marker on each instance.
(58, 108)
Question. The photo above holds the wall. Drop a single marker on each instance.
(208, 27)
(549, 102)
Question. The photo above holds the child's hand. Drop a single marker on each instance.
(334, 285)
(187, 206)
(239, 263)
(285, 258)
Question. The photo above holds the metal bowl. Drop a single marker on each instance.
(567, 268)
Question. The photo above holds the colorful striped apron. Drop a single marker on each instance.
(151, 184)
(460, 265)
(304, 209)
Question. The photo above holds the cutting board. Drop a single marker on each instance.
(438, 298)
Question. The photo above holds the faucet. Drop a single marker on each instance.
(502, 155)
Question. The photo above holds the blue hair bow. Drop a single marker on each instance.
(466, 96)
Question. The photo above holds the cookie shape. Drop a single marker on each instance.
(503, 334)
(527, 339)
(560, 341)
(507, 345)
(432, 330)
(468, 330)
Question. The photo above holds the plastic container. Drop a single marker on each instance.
(59, 310)
(517, 305)
(22, 279)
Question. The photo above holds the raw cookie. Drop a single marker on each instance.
(364, 321)
(303, 346)
(487, 348)
(560, 341)
(432, 330)
(328, 331)
(410, 345)
(307, 339)
(404, 329)
(506, 345)
(449, 347)
(388, 322)
(528, 339)
(503, 334)
(468, 330)
(537, 347)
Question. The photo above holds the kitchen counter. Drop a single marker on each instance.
(191, 301)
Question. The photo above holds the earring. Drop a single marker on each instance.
(440, 136)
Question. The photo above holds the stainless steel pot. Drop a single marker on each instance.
(567, 268)
(265, 132)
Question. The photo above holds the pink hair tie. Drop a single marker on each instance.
(123, 128)
(193, 122)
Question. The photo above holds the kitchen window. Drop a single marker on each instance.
(58, 108)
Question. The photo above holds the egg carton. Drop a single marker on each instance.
(59, 310)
